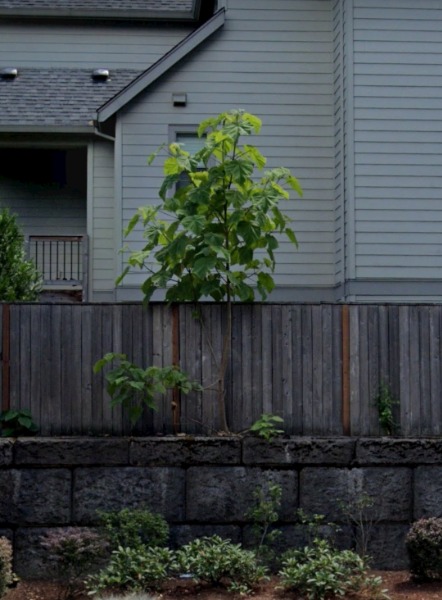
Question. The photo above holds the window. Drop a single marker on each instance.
(190, 143)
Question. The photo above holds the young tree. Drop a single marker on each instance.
(220, 230)
(19, 278)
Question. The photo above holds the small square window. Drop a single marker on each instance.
(190, 143)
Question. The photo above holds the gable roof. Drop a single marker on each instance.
(157, 10)
(158, 69)
(56, 99)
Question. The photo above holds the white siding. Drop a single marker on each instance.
(397, 133)
(88, 46)
(274, 59)
(103, 218)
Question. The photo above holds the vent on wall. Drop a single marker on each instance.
(100, 75)
(8, 73)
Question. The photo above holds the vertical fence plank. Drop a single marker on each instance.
(435, 370)
(307, 371)
(276, 361)
(404, 370)
(266, 353)
(86, 368)
(327, 374)
(337, 371)
(192, 411)
(296, 425)
(317, 371)
(374, 353)
(414, 349)
(256, 362)
(355, 408)
(424, 415)
(286, 368)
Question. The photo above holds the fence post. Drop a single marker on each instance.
(346, 429)
(176, 398)
(5, 354)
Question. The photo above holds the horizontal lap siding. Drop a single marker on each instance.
(103, 219)
(339, 136)
(398, 148)
(276, 62)
(88, 46)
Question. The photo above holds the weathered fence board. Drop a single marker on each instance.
(286, 360)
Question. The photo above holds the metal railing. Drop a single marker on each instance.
(61, 259)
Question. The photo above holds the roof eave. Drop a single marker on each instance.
(81, 129)
(161, 67)
(107, 15)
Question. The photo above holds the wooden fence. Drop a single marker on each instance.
(317, 366)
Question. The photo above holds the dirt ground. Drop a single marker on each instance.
(398, 583)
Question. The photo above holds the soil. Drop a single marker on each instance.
(398, 584)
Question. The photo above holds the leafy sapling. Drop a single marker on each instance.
(264, 515)
(266, 427)
(385, 402)
(136, 388)
(216, 236)
(15, 423)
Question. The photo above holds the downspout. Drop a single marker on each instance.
(99, 134)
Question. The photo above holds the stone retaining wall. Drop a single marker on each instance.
(205, 485)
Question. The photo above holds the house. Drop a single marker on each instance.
(349, 92)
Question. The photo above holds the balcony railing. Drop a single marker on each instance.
(62, 260)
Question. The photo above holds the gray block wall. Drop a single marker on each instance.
(205, 485)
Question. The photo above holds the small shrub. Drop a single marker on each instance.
(134, 528)
(213, 559)
(267, 427)
(6, 575)
(14, 423)
(19, 278)
(73, 553)
(264, 514)
(320, 571)
(424, 547)
(385, 402)
(136, 388)
(134, 569)
(359, 513)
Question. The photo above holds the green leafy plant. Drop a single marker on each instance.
(316, 527)
(134, 528)
(217, 235)
(73, 553)
(136, 388)
(130, 596)
(424, 547)
(357, 510)
(19, 278)
(6, 574)
(215, 560)
(264, 514)
(320, 571)
(15, 423)
(266, 426)
(385, 402)
(134, 569)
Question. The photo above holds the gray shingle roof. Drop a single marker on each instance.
(57, 97)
